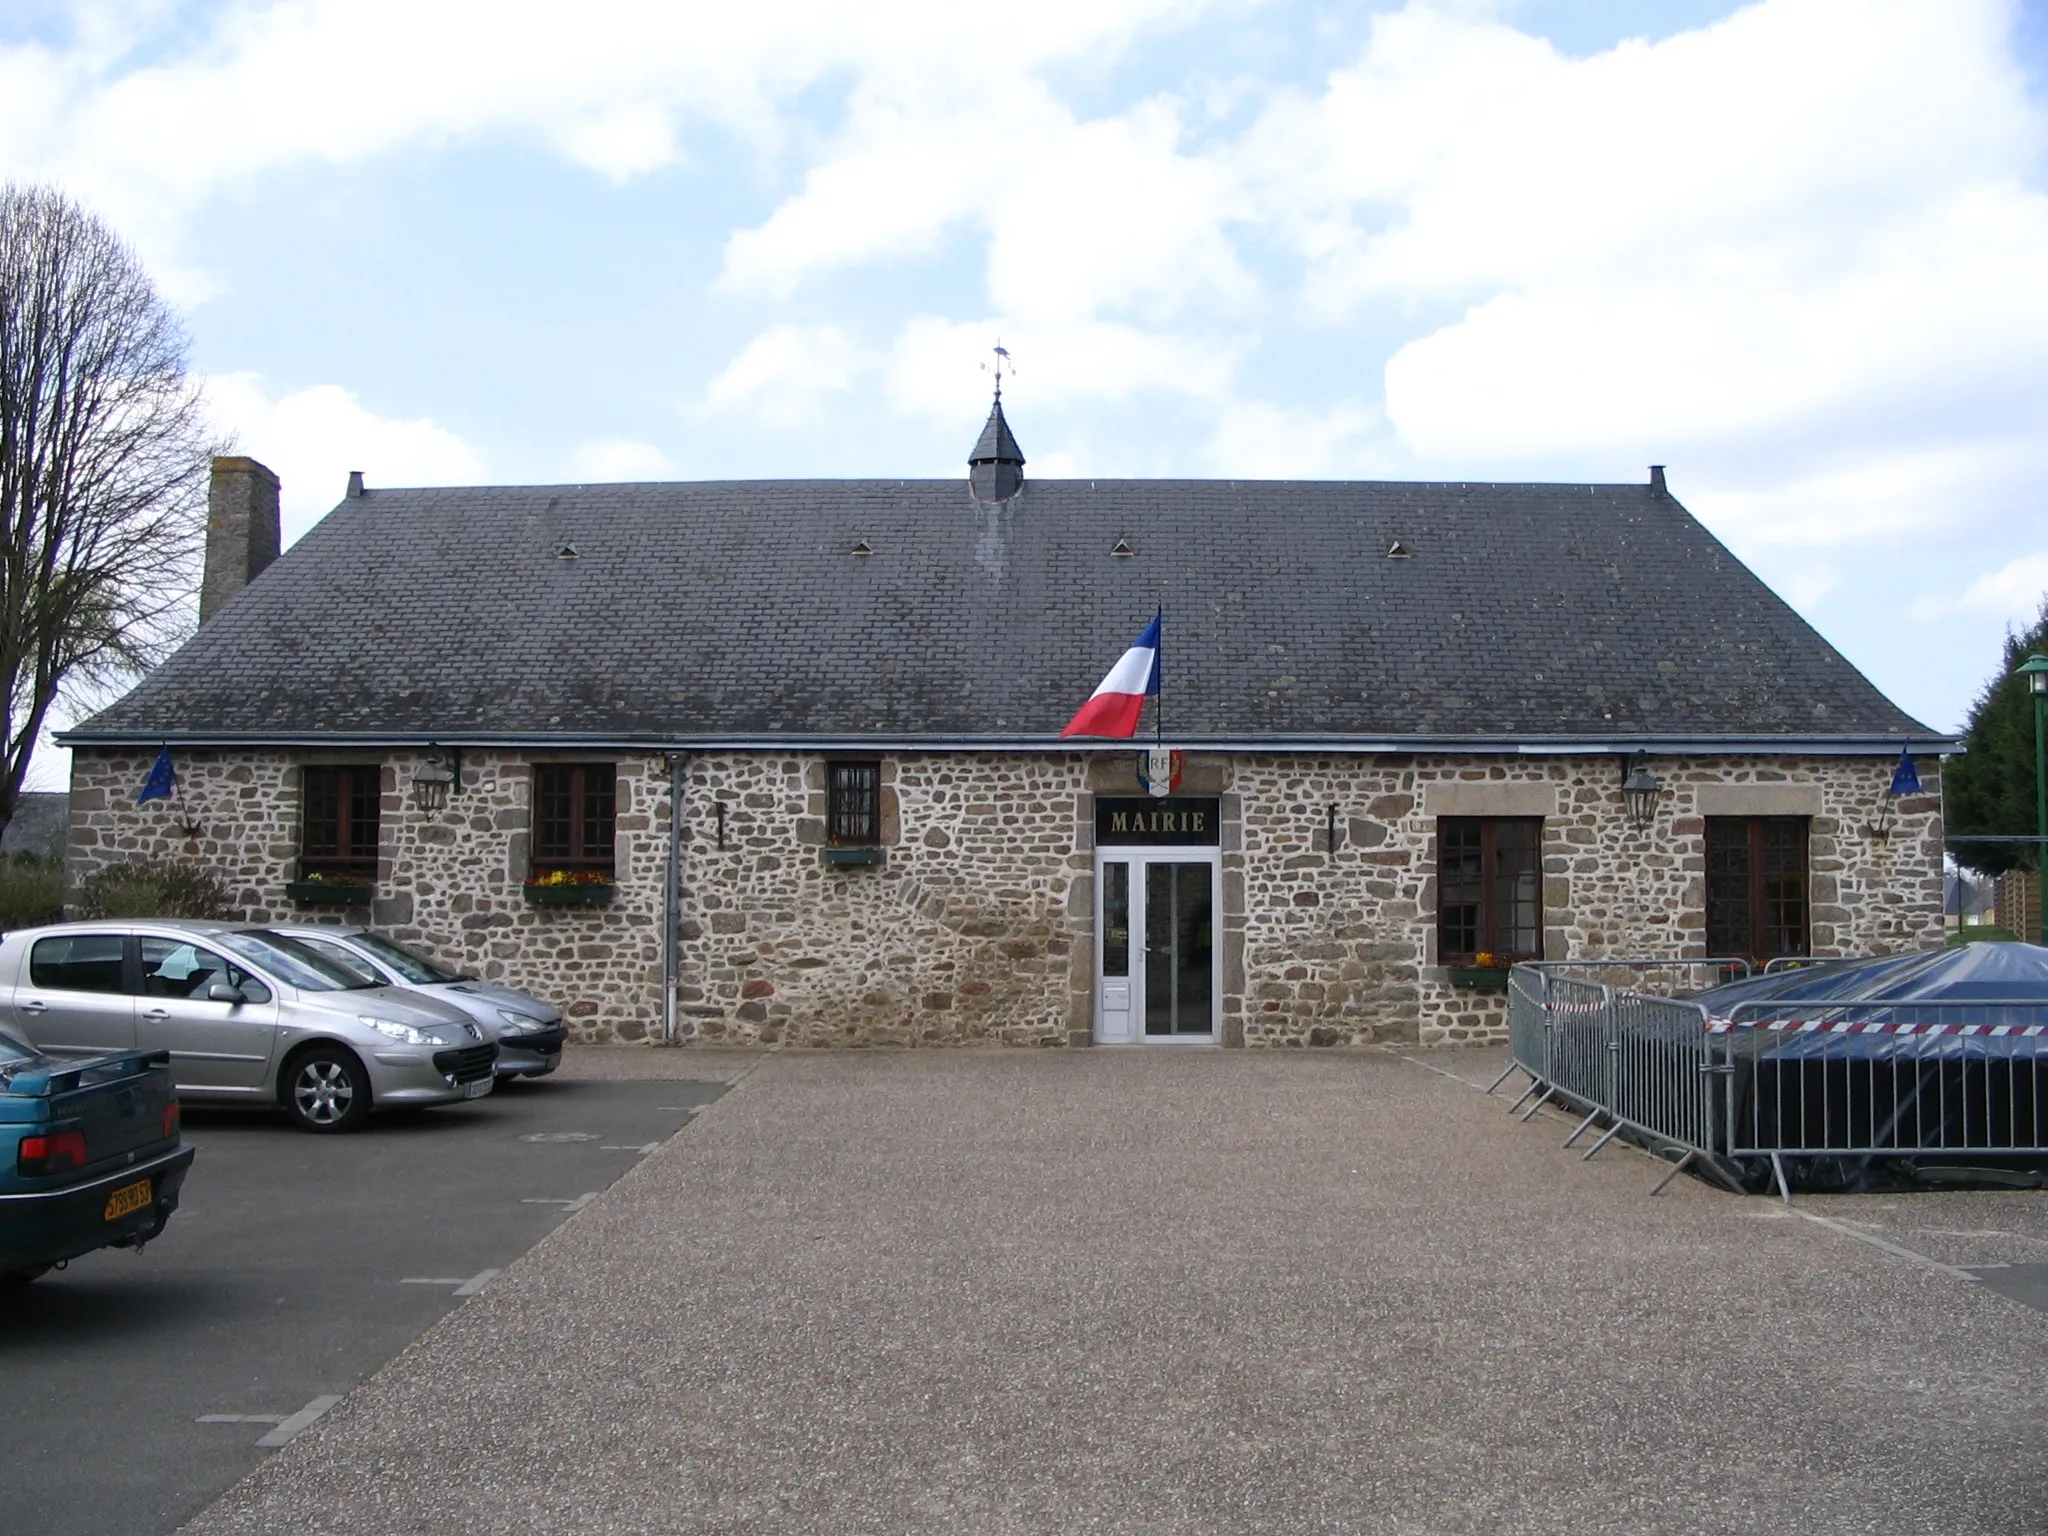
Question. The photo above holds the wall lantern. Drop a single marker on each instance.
(1640, 792)
(434, 780)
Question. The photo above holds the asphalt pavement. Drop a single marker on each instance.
(1164, 1291)
(136, 1388)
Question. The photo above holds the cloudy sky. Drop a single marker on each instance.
(1797, 250)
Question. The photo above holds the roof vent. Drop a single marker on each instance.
(1122, 547)
(566, 552)
(1398, 551)
(862, 547)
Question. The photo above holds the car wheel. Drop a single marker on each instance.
(325, 1089)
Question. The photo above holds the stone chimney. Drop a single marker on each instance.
(241, 530)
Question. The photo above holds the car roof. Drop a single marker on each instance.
(198, 926)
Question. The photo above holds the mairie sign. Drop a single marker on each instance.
(1184, 820)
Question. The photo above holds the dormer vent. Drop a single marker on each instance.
(1399, 551)
(863, 547)
(567, 552)
(1122, 547)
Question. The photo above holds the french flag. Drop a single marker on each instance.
(1120, 697)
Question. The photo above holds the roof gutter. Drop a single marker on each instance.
(1518, 746)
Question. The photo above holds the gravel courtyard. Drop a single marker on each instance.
(1169, 1290)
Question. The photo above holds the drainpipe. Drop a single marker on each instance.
(671, 949)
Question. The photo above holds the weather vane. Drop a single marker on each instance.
(1003, 360)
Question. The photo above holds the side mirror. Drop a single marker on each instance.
(222, 992)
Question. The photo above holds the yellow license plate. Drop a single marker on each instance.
(129, 1197)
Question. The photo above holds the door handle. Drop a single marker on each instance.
(157, 1013)
(35, 1005)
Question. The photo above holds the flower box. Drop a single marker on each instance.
(330, 893)
(1481, 978)
(593, 893)
(854, 858)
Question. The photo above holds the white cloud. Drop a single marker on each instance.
(1059, 364)
(1800, 223)
(784, 375)
(275, 83)
(1079, 217)
(622, 142)
(615, 458)
(313, 437)
(2014, 593)
(1257, 440)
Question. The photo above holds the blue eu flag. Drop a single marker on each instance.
(163, 778)
(1905, 777)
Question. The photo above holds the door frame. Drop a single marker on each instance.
(1139, 855)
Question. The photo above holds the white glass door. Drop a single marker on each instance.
(1157, 968)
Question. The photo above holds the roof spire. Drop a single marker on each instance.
(996, 466)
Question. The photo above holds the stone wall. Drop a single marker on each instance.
(449, 881)
(977, 926)
(1339, 945)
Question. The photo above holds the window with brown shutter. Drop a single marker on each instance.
(338, 821)
(853, 804)
(1489, 888)
(1756, 886)
(573, 811)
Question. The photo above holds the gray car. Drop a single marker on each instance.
(529, 1032)
(248, 1015)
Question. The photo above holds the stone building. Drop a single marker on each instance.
(779, 761)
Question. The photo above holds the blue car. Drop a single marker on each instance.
(90, 1155)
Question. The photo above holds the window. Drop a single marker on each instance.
(338, 834)
(1489, 885)
(77, 962)
(1756, 886)
(573, 809)
(174, 969)
(853, 804)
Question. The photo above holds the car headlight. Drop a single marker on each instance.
(404, 1033)
(519, 1023)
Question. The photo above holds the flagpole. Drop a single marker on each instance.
(1159, 667)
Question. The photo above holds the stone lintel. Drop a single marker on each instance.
(1759, 799)
(1489, 800)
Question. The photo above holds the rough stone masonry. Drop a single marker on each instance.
(978, 926)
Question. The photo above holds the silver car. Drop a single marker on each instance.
(529, 1032)
(248, 1015)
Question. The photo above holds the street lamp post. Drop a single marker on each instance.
(2035, 670)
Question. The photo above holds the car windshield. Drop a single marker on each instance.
(417, 969)
(290, 961)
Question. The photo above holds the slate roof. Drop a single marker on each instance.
(736, 612)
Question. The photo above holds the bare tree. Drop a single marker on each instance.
(103, 451)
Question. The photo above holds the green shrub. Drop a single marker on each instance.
(31, 891)
(1982, 932)
(155, 888)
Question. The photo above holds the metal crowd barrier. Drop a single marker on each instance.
(1738, 1095)
(1880, 1079)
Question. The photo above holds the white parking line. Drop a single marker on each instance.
(242, 1418)
(289, 1430)
(569, 1207)
(469, 1287)
(643, 1149)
